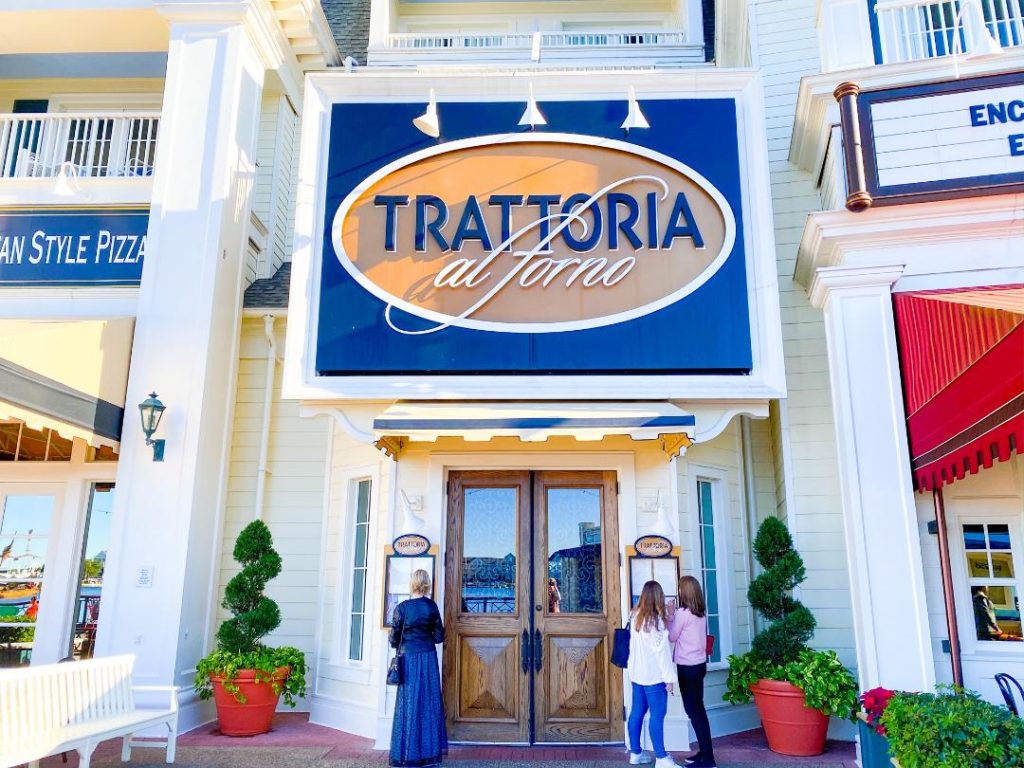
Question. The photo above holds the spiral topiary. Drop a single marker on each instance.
(792, 624)
(255, 614)
(780, 652)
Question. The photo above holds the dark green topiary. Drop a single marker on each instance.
(780, 652)
(792, 625)
(255, 614)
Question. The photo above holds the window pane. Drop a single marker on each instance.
(94, 561)
(23, 525)
(489, 550)
(977, 565)
(974, 537)
(713, 629)
(999, 537)
(363, 502)
(707, 536)
(704, 498)
(355, 639)
(711, 590)
(359, 559)
(575, 573)
(1002, 565)
(358, 591)
(996, 612)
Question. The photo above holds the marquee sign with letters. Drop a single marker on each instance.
(574, 249)
(80, 246)
(934, 141)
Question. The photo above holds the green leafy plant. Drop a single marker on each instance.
(952, 729)
(780, 652)
(254, 615)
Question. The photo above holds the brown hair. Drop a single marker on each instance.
(650, 610)
(691, 596)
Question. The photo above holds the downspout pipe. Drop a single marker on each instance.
(268, 402)
(947, 587)
(750, 497)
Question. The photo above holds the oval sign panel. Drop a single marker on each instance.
(411, 545)
(531, 234)
(653, 546)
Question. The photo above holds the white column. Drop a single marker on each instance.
(167, 516)
(844, 35)
(882, 540)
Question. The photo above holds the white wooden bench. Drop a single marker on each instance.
(55, 708)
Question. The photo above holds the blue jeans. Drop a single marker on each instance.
(655, 699)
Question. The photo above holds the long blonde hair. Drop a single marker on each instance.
(650, 610)
(691, 596)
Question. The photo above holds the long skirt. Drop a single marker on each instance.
(419, 737)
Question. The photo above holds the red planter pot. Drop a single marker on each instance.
(254, 716)
(792, 727)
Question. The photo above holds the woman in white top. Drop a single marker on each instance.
(651, 673)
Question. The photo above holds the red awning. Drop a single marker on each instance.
(962, 361)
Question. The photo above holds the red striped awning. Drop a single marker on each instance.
(962, 362)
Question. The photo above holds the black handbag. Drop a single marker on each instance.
(396, 669)
(620, 647)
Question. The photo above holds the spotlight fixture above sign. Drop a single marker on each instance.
(428, 121)
(532, 116)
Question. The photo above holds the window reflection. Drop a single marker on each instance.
(24, 528)
(94, 563)
(990, 569)
(489, 550)
(575, 575)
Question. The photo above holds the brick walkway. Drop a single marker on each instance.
(296, 743)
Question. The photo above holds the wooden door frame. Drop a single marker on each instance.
(610, 474)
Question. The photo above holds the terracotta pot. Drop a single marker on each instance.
(792, 727)
(254, 716)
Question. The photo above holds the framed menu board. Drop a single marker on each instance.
(663, 569)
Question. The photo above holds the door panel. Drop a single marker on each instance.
(578, 693)
(487, 607)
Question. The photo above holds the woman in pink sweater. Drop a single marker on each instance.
(688, 633)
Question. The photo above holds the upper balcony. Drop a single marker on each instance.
(612, 48)
(109, 156)
(912, 30)
(597, 33)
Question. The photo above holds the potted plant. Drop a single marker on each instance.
(245, 677)
(795, 688)
(951, 728)
(874, 746)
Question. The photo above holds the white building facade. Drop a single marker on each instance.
(634, 281)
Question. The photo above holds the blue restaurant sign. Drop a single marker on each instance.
(72, 246)
(576, 249)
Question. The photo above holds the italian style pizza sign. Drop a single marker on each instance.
(556, 251)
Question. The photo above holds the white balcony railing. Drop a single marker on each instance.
(911, 30)
(656, 45)
(90, 145)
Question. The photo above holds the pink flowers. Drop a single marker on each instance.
(874, 703)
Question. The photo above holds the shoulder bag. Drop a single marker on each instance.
(396, 669)
(620, 646)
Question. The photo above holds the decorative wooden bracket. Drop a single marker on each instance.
(673, 445)
(392, 445)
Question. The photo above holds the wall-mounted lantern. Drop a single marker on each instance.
(151, 410)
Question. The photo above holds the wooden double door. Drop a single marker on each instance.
(531, 602)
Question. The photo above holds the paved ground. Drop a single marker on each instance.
(295, 743)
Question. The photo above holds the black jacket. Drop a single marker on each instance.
(416, 625)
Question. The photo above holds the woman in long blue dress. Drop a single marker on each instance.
(419, 738)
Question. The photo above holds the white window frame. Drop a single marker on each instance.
(350, 477)
(991, 510)
(718, 477)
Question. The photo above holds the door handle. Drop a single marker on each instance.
(526, 652)
(538, 651)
